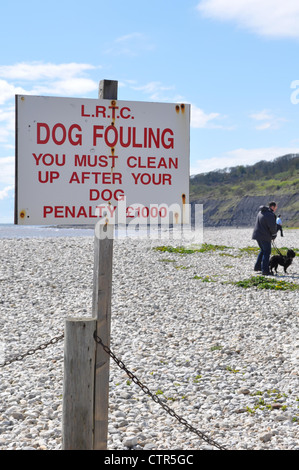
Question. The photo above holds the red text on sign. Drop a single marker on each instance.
(106, 195)
(59, 134)
(145, 212)
(155, 178)
(96, 177)
(152, 162)
(48, 159)
(110, 112)
(73, 212)
(129, 137)
(95, 160)
(48, 177)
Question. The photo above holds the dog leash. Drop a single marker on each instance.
(275, 247)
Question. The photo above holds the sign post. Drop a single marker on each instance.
(98, 162)
(78, 384)
(103, 258)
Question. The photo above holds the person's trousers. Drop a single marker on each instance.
(262, 261)
(279, 228)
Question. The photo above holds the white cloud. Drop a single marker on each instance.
(7, 123)
(6, 192)
(47, 78)
(8, 91)
(271, 18)
(40, 78)
(199, 119)
(33, 71)
(68, 87)
(7, 170)
(152, 87)
(267, 120)
(158, 92)
(129, 37)
(262, 115)
(239, 157)
(130, 45)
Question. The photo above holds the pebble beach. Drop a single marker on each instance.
(223, 357)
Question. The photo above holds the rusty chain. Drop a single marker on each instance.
(132, 376)
(32, 351)
(156, 399)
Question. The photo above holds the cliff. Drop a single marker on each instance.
(232, 197)
(242, 212)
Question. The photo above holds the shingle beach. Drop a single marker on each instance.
(223, 357)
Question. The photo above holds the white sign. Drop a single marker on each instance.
(78, 160)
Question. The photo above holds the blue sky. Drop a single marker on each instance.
(236, 63)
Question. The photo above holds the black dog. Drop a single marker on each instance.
(281, 260)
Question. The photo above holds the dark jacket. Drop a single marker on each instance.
(265, 226)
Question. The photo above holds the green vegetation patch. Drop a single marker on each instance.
(172, 249)
(205, 247)
(264, 282)
(166, 260)
(284, 250)
(255, 250)
(204, 278)
(250, 250)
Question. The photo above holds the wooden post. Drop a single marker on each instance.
(78, 384)
(103, 254)
(108, 90)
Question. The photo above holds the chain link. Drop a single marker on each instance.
(156, 399)
(32, 351)
(132, 376)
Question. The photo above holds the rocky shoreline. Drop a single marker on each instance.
(223, 357)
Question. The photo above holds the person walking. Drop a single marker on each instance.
(279, 225)
(265, 230)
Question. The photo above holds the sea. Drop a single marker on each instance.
(43, 231)
(28, 231)
(12, 231)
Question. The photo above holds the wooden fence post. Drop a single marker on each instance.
(78, 384)
(103, 254)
